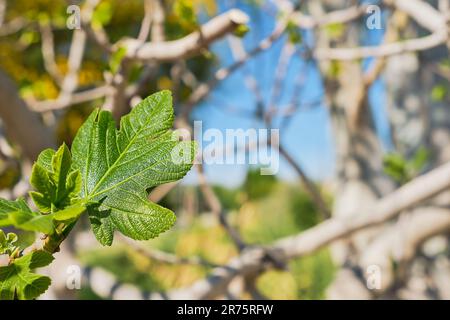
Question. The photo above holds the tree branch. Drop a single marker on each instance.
(146, 24)
(339, 16)
(68, 100)
(423, 13)
(400, 242)
(158, 33)
(188, 46)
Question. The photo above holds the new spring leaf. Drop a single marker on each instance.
(118, 167)
(55, 182)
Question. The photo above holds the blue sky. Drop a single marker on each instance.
(308, 137)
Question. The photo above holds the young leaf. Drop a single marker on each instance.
(18, 280)
(32, 221)
(18, 214)
(45, 159)
(8, 206)
(54, 181)
(40, 180)
(7, 242)
(119, 166)
(70, 213)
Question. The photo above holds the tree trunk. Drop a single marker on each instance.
(23, 126)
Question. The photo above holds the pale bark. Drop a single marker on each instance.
(22, 125)
(189, 45)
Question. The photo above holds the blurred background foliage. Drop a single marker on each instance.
(283, 210)
(401, 131)
(263, 209)
(21, 54)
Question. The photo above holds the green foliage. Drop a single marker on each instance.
(307, 214)
(241, 30)
(109, 176)
(308, 278)
(439, 92)
(294, 33)
(313, 274)
(229, 198)
(18, 214)
(7, 243)
(285, 210)
(10, 173)
(116, 59)
(335, 69)
(119, 166)
(335, 30)
(257, 185)
(185, 11)
(57, 185)
(102, 14)
(403, 170)
(29, 37)
(18, 281)
(57, 188)
(120, 262)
